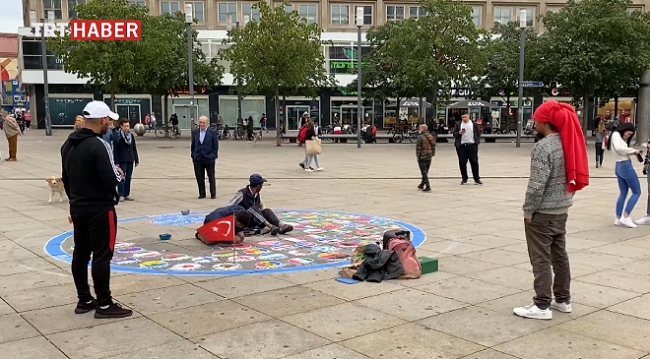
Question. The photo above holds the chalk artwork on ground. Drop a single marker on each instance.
(320, 239)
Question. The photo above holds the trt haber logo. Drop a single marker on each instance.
(105, 30)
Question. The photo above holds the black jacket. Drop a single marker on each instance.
(124, 152)
(457, 135)
(89, 176)
(379, 265)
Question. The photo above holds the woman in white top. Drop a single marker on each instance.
(619, 145)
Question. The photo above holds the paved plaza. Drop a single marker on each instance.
(462, 311)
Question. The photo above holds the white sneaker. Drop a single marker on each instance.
(627, 222)
(532, 312)
(320, 169)
(561, 307)
(617, 222)
(643, 220)
(308, 170)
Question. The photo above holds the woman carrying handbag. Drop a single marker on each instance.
(619, 145)
(312, 148)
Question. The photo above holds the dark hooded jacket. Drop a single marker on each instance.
(88, 172)
(379, 265)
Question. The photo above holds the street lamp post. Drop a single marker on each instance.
(46, 92)
(189, 19)
(359, 87)
(229, 28)
(522, 55)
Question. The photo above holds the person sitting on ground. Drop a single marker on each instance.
(242, 219)
(249, 197)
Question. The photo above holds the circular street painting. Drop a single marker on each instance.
(320, 239)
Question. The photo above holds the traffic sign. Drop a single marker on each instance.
(533, 84)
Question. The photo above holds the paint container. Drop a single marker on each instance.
(165, 236)
(185, 212)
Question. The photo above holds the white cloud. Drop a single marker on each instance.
(11, 16)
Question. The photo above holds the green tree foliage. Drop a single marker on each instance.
(112, 66)
(415, 57)
(156, 64)
(594, 47)
(502, 69)
(280, 52)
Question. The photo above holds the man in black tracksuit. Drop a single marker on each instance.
(90, 179)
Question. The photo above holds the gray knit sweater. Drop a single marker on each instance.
(547, 186)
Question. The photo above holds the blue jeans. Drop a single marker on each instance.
(648, 206)
(124, 187)
(627, 180)
(309, 159)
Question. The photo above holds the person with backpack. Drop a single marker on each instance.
(301, 140)
(425, 149)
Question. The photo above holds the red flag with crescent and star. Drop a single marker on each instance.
(220, 230)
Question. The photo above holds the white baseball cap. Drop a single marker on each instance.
(99, 109)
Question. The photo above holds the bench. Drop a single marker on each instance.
(343, 138)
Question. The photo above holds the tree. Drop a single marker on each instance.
(593, 47)
(502, 69)
(167, 70)
(113, 66)
(417, 54)
(280, 52)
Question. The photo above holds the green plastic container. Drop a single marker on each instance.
(429, 265)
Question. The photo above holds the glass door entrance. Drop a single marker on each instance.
(349, 115)
(184, 110)
(294, 113)
(130, 112)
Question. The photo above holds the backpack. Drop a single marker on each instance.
(404, 248)
(301, 135)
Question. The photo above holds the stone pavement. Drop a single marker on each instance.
(462, 311)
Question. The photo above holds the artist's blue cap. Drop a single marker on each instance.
(256, 179)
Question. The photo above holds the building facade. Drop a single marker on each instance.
(336, 17)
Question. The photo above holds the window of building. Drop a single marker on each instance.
(309, 13)
(502, 15)
(477, 16)
(142, 3)
(530, 16)
(169, 7)
(197, 10)
(253, 13)
(633, 9)
(52, 5)
(72, 14)
(225, 9)
(553, 8)
(416, 11)
(394, 12)
(340, 15)
(367, 14)
(287, 8)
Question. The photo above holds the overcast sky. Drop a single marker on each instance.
(11, 16)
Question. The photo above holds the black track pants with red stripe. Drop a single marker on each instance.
(94, 233)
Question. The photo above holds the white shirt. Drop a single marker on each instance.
(619, 149)
(468, 136)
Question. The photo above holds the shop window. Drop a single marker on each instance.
(477, 16)
(367, 14)
(197, 10)
(417, 12)
(249, 107)
(309, 13)
(502, 15)
(53, 5)
(169, 7)
(394, 13)
(340, 15)
(227, 11)
(530, 16)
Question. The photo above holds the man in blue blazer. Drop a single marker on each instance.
(205, 151)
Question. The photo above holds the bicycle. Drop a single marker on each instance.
(238, 134)
(398, 135)
(173, 132)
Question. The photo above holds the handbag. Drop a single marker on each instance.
(313, 147)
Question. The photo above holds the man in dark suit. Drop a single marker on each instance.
(467, 137)
(204, 152)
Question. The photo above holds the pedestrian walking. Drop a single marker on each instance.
(425, 149)
(628, 181)
(646, 163)
(312, 148)
(126, 157)
(466, 140)
(12, 131)
(90, 178)
(601, 134)
(263, 120)
(205, 151)
(558, 168)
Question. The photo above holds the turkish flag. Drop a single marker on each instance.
(220, 230)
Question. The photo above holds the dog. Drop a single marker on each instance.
(56, 186)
